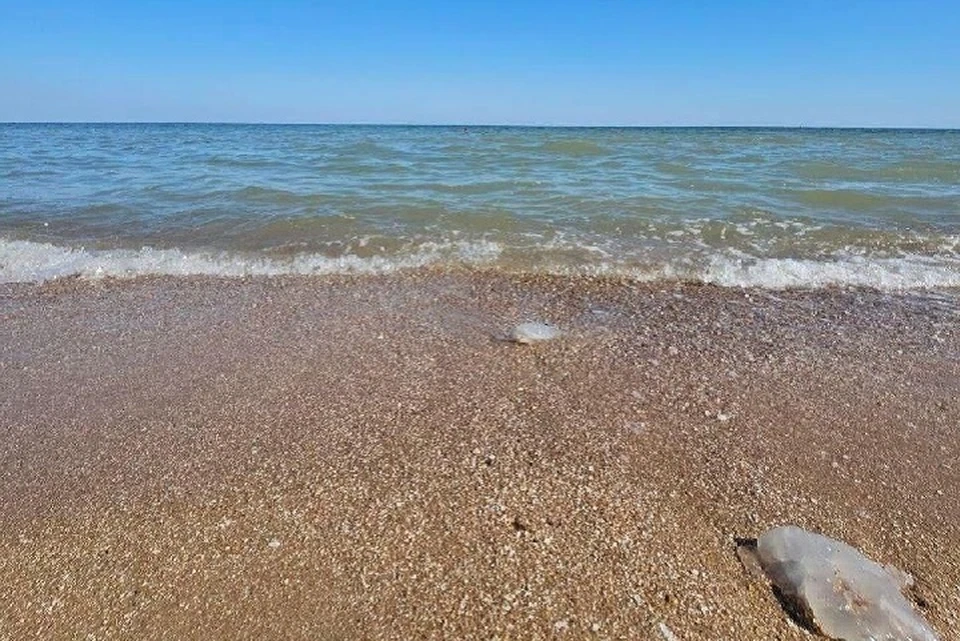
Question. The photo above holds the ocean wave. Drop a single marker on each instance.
(866, 201)
(906, 170)
(27, 261)
(574, 148)
(902, 273)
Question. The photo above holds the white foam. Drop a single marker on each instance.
(906, 272)
(25, 261)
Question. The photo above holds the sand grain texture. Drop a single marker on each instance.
(364, 459)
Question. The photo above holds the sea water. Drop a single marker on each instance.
(735, 207)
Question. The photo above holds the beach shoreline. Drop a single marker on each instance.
(365, 457)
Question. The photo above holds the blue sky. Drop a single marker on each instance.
(590, 62)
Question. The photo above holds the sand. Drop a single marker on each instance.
(366, 458)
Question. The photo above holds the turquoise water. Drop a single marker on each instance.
(774, 207)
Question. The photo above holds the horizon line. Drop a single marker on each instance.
(476, 125)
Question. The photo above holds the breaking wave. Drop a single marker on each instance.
(27, 261)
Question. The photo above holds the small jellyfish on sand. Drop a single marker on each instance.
(526, 333)
(835, 590)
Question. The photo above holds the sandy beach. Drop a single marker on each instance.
(367, 458)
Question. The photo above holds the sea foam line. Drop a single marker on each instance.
(27, 261)
(906, 272)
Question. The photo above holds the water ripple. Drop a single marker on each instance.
(594, 199)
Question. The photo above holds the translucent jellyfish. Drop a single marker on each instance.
(837, 590)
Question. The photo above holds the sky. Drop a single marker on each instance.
(559, 62)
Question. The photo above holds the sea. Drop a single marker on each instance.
(736, 207)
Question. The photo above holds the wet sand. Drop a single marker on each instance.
(364, 458)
